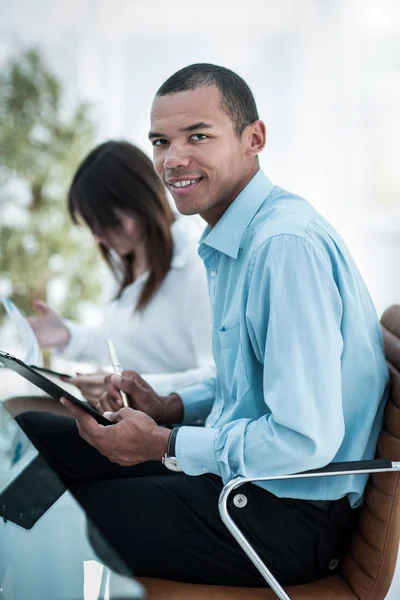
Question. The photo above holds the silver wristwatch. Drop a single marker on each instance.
(169, 459)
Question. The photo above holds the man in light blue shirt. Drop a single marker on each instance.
(301, 373)
(297, 344)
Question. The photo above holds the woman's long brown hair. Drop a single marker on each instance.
(118, 176)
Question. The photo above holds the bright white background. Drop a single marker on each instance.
(325, 74)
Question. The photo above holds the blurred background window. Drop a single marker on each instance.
(325, 75)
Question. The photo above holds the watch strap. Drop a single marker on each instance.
(171, 451)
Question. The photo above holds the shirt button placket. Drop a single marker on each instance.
(213, 274)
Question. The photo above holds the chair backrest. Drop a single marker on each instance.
(370, 565)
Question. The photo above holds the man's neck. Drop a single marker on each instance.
(213, 216)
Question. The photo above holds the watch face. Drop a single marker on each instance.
(171, 463)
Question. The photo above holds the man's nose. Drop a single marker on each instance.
(176, 157)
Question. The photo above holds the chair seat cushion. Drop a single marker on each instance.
(330, 588)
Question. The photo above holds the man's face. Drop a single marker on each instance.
(197, 153)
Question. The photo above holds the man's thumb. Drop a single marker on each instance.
(112, 416)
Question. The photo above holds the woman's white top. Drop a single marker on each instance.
(169, 342)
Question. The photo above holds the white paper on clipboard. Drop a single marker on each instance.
(28, 339)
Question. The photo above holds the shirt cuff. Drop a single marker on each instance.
(197, 402)
(76, 343)
(161, 383)
(195, 451)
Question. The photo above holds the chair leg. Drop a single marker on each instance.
(245, 544)
(103, 583)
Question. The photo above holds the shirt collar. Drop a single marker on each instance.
(228, 232)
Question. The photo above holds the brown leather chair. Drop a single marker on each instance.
(368, 569)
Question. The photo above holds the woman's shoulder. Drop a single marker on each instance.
(188, 227)
(186, 233)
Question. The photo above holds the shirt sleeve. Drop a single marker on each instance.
(166, 383)
(86, 344)
(294, 313)
(198, 400)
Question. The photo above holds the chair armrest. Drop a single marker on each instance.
(379, 465)
(356, 465)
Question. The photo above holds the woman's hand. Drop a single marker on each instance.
(48, 326)
(92, 387)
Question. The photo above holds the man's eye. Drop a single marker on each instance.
(199, 136)
(159, 142)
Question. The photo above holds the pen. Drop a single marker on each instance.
(117, 368)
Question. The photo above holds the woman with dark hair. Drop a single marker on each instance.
(159, 319)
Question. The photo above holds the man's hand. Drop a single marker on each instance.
(92, 386)
(163, 409)
(133, 439)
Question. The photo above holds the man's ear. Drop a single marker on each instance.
(256, 137)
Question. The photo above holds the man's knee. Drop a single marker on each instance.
(29, 422)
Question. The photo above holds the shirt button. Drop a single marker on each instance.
(240, 500)
(213, 273)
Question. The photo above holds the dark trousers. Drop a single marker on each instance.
(167, 525)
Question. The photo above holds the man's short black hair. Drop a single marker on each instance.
(237, 98)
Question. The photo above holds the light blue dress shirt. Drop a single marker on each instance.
(301, 373)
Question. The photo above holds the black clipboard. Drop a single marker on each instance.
(51, 388)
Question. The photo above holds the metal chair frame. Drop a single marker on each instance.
(334, 469)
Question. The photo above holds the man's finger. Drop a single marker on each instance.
(107, 402)
(107, 379)
(85, 420)
(115, 404)
(112, 389)
(122, 384)
(103, 406)
(126, 412)
(121, 414)
(130, 385)
(114, 417)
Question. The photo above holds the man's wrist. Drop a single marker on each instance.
(160, 444)
(172, 409)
